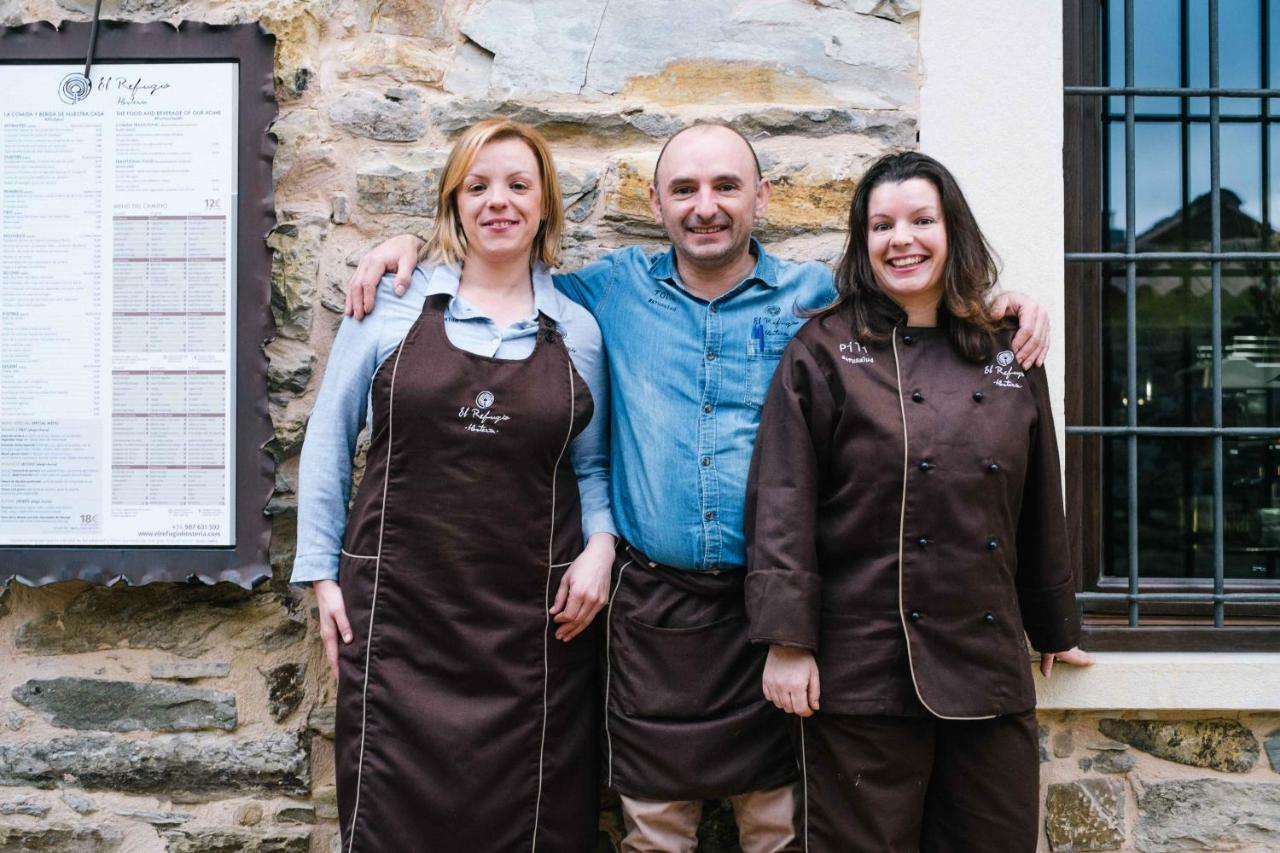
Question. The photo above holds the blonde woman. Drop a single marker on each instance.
(459, 583)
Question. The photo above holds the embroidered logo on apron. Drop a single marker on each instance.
(480, 418)
(1005, 370)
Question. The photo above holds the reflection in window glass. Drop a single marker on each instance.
(1174, 299)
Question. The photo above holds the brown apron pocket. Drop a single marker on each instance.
(687, 672)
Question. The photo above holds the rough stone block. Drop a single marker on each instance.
(81, 838)
(757, 51)
(1208, 814)
(289, 429)
(126, 706)
(284, 688)
(394, 116)
(289, 365)
(190, 670)
(185, 767)
(1085, 815)
(296, 814)
(24, 806)
(401, 60)
(78, 803)
(340, 208)
(294, 265)
(424, 18)
(1114, 762)
(1272, 745)
(236, 841)
(405, 183)
(302, 146)
(1063, 744)
(296, 49)
(1219, 743)
(321, 720)
(157, 818)
(185, 619)
(325, 800)
(250, 814)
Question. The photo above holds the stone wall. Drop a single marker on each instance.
(1157, 783)
(189, 718)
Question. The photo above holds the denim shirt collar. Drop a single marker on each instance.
(446, 278)
(663, 266)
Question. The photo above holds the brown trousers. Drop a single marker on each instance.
(902, 784)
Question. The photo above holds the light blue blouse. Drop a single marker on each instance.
(344, 405)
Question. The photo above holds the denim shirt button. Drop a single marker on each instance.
(710, 515)
(711, 356)
(706, 408)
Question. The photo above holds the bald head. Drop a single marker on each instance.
(724, 140)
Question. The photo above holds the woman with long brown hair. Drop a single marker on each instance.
(459, 582)
(905, 537)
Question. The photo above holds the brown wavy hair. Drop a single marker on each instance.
(968, 275)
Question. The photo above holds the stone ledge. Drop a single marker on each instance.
(1165, 681)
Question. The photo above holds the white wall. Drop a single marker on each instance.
(991, 110)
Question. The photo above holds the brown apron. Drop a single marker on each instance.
(462, 723)
(685, 716)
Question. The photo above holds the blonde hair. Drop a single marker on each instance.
(447, 242)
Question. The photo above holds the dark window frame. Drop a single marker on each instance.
(253, 49)
(1132, 613)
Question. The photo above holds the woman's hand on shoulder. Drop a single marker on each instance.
(333, 620)
(791, 680)
(1031, 341)
(398, 255)
(584, 589)
(1074, 656)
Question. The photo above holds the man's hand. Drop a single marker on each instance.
(584, 589)
(398, 255)
(1031, 343)
(1074, 656)
(791, 680)
(333, 620)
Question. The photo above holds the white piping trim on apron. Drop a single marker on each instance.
(347, 553)
(608, 671)
(902, 522)
(804, 786)
(546, 602)
(373, 600)
(561, 565)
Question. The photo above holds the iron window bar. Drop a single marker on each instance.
(1215, 257)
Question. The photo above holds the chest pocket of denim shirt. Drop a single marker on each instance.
(762, 361)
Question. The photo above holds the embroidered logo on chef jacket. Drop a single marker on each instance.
(1005, 370)
(858, 354)
(480, 417)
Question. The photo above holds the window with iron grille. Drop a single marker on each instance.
(1173, 320)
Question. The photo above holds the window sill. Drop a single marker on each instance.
(1165, 681)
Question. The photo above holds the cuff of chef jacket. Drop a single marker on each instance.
(321, 567)
(1051, 617)
(783, 607)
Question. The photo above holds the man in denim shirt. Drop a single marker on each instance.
(693, 336)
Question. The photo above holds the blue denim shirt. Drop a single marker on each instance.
(343, 405)
(687, 380)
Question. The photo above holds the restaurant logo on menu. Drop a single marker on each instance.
(74, 88)
(130, 91)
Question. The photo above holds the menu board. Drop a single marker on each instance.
(117, 304)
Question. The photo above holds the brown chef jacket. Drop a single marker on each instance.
(904, 522)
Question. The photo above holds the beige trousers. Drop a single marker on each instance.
(764, 823)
